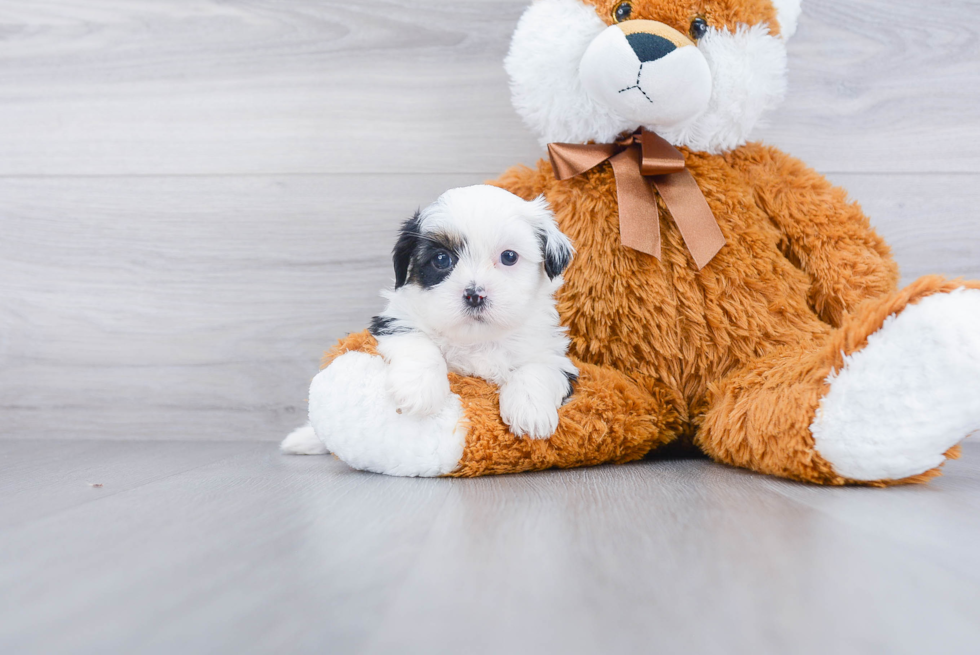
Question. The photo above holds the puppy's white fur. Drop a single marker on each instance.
(513, 339)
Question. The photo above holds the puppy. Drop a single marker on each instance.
(475, 277)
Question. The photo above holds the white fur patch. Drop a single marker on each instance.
(356, 419)
(908, 396)
(748, 71)
(303, 441)
(543, 65)
(788, 14)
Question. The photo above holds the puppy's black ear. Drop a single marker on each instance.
(408, 241)
(556, 249)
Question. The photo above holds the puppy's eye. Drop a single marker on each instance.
(622, 12)
(508, 258)
(443, 261)
(699, 27)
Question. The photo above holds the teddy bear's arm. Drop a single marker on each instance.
(827, 235)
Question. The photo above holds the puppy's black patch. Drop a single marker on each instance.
(385, 326)
(434, 259)
(430, 265)
(424, 259)
(557, 255)
(572, 379)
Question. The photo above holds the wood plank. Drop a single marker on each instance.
(41, 479)
(262, 553)
(110, 87)
(690, 556)
(164, 307)
(929, 522)
(931, 222)
(882, 86)
(197, 308)
(153, 87)
(254, 553)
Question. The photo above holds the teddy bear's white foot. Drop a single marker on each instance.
(303, 441)
(357, 420)
(911, 394)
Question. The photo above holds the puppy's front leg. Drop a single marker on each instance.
(530, 398)
(418, 378)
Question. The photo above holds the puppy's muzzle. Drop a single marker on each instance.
(474, 298)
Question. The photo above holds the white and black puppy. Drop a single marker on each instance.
(475, 277)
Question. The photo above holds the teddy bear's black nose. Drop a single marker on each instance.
(474, 298)
(649, 47)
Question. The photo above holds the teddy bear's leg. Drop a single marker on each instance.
(609, 418)
(884, 399)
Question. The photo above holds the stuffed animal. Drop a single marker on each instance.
(724, 296)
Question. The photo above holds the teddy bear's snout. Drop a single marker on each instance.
(647, 72)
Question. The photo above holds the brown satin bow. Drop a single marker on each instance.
(639, 155)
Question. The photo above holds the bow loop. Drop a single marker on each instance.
(570, 160)
(659, 157)
(640, 160)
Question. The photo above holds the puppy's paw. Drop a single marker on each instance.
(529, 408)
(418, 388)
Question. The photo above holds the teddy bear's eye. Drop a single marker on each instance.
(622, 12)
(699, 27)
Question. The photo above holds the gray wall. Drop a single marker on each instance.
(197, 198)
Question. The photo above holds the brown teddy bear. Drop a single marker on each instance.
(724, 296)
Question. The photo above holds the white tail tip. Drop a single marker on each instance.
(303, 441)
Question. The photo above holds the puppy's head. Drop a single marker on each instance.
(475, 263)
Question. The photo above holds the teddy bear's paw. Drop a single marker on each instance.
(418, 388)
(912, 393)
(359, 422)
(528, 407)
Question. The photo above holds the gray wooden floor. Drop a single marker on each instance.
(227, 547)
(197, 198)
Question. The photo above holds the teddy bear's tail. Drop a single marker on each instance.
(303, 441)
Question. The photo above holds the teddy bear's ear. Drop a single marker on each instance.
(788, 15)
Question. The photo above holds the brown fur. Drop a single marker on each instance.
(679, 14)
(747, 343)
(732, 359)
(608, 419)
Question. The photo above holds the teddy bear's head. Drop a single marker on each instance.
(699, 73)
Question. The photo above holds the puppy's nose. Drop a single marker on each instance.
(474, 297)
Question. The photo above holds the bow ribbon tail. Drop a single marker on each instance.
(691, 213)
(570, 160)
(639, 218)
